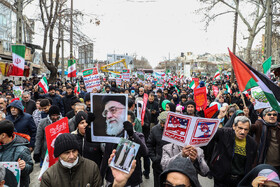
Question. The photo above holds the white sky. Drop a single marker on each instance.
(151, 29)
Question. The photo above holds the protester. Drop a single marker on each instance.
(28, 104)
(23, 122)
(14, 148)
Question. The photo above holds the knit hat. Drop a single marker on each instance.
(54, 110)
(270, 175)
(6, 126)
(162, 116)
(65, 142)
(239, 112)
(79, 117)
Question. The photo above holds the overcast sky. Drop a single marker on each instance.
(151, 28)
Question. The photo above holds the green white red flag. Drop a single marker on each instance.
(247, 77)
(18, 60)
(217, 75)
(228, 89)
(77, 88)
(44, 84)
(72, 68)
(192, 85)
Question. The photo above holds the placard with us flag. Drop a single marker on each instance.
(185, 130)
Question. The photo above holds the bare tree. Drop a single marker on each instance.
(252, 19)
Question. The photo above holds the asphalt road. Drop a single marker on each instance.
(205, 182)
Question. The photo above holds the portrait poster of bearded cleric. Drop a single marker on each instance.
(110, 112)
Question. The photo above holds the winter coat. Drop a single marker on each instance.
(155, 144)
(41, 142)
(153, 106)
(222, 153)
(29, 106)
(182, 165)
(56, 100)
(15, 150)
(24, 123)
(67, 102)
(262, 135)
(89, 150)
(171, 151)
(136, 177)
(85, 173)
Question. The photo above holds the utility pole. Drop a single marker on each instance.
(71, 31)
(268, 31)
(234, 38)
(19, 21)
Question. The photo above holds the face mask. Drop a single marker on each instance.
(69, 165)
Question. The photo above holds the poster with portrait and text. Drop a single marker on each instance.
(110, 111)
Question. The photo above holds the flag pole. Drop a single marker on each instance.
(242, 97)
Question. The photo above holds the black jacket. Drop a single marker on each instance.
(151, 107)
(222, 146)
(155, 144)
(29, 106)
(67, 102)
(89, 150)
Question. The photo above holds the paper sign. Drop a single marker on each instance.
(145, 100)
(126, 74)
(185, 130)
(209, 112)
(17, 91)
(91, 79)
(200, 98)
(118, 79)
(260, 98)
(52, 131)
(215, 90)
(140, 76)
(12, 176)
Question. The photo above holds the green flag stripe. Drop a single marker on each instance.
(272, 101)
(250, 84)
(71, 62)
(267, 65)
(19, 50)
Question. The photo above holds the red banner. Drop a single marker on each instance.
(209, 112)
(52, 131)
(145, 100)
(215, 90)
(200, 98)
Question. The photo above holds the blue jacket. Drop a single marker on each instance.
(13, 151)
(24, 123)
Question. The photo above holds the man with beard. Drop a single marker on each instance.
(3, 104)
(67, 100)
(28, 103)
(115, 113)
(267, 135)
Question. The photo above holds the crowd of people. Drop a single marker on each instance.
(244, 151)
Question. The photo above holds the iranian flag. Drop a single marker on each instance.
(266, 67)
(44, 84)
(18, 60)
(228, 89)
(77, 88)
(247, 77)
(217, 75)
(72, 68)
(192, 85)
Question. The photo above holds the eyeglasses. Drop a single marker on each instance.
(269, 114)
(112, 110)
(168, 184)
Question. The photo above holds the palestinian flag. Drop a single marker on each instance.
(266, 67)
(217, 75)
(44, 84)
(77, 88)
(247, 77)
(18, 60)
(72, 68)
(192, 85)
